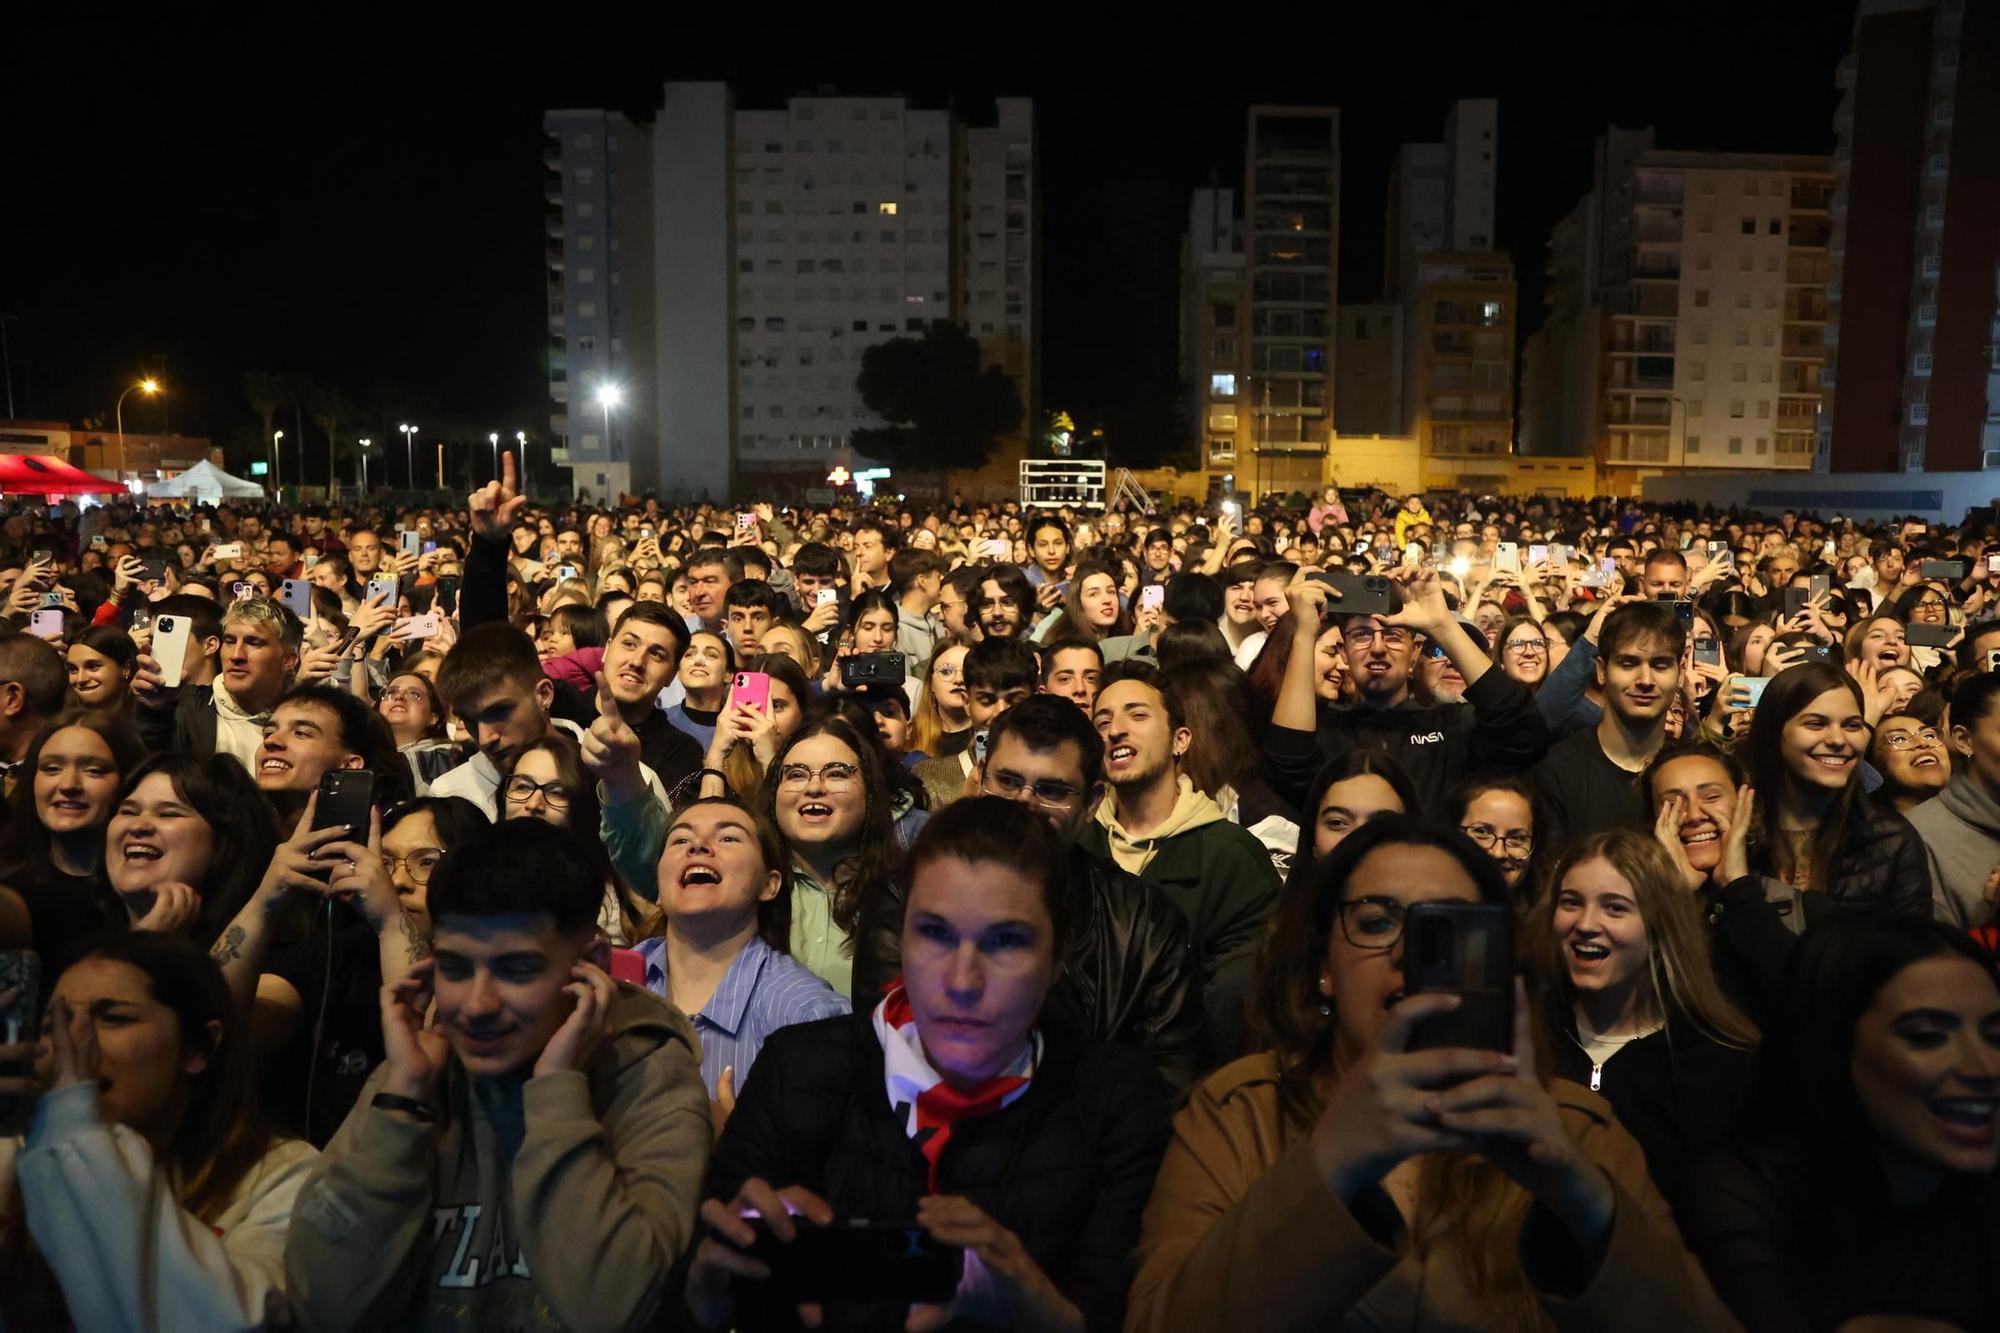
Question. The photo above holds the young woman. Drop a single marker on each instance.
(149, 1193)
(1227, 758)
(52, 849)
(188, 842)
(1028, 1147)
(1910, 755)
(101, 663)
(1347, 1180)
(1497, 811)
(1523, 651)
(1091, 609)
(1960, 825)
(707, 668)
(1745, 652)
(870, 628)
(547, 781)
(1345, 794)
(1878, 639)
(1865, 1195)
(940, 719)
(829, 791)
(1634, 1010)
(747, 738)
(415, 837)
(718, 946)
(793, 642)
(416, 718)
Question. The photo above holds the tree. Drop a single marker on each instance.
(266, 393)
(943, 409)
(328, 408)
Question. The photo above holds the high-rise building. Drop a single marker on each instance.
(1292, 193)
(1912, 374)
(1694, 284)
(1215, 309)
(783, 244)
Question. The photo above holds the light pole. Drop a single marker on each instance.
(149, 387)
(277, 463)
(365, 442)
(607, 398)
(521, 457)
(409, 467)
(493, 438)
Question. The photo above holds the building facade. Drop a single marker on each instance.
(780, 245)
(1215, 353)
(1912, 375)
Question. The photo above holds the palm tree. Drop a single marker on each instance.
(266, 393)
(330, 407)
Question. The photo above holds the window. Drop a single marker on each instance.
(1922, 364)
(1695, 406)
(745, 207)
(1775, 227)
(776, 410)
(1743, 300)
(1224, 314)
(586, 309)
(1742, 337)
(1222, 385)
(1361, 330)
(1933, 266)
(1739, 373)
(1750, 185)
(1763, 444)
(775, 324)
(1701, 335)
(1770, 263)
(1746, 262)
(1763, 409)
(1736, 409)
(1749, 226)
(746, 266)
(860, 326)
(585, 210)
(1701, 262)
(749, 412)
(1693, 445)
(1701, 298)
(1698, 371)
(583, 175)
(1704, 223)
(586, 275)
(746, 325)
(1489, 313)
(887, 208)
(1736, 444)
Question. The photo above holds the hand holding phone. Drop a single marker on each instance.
(753, 689)
(20, 994)
(1153, 597)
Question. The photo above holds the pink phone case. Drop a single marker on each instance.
(752, 688)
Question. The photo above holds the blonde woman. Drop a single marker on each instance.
(940, 716)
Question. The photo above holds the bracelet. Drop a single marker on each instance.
(718, 773)
(393, 1101)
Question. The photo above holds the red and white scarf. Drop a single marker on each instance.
(931, 1106)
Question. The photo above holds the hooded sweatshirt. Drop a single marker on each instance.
(1960, 826)
(1218, 875)
(561, 1201)
(238, 732)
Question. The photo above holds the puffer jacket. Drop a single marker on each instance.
(1066, 1168)
(1130, 976)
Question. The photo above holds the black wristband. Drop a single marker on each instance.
(718, 772)
(392, 1101)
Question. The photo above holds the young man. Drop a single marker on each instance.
(1158, 827)
(958, 605)
(750, 607)
(1591, 782)
(364, 558)
(1048, 558)
(1128, 976)
(916, 580)
(999, 673)
(34, 683)
(1071, 668)
(1664, 575)
(259, 654)
(531, 1155)
(1238, 622)
(317, 728)
(1496, 726)
(1006, 602)
(641, 659)
(873, 540)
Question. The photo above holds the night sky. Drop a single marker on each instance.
(363, 204)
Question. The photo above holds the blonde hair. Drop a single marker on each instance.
(927, 728)
(290, 630)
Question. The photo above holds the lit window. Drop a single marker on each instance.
(1222, 386)
(887, 209)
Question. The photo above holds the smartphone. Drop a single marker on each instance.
(1153, 597)
(46, 624)
(1507, 558)
(381, 591)
(1942, 569)
(243, 592)
(153, 571)
(861, 1261)
(1928, 636)
(754, 688)
(97, 542)
(345, 798)
(1683, 610)
(645, 534)
(1361, 546)
(1716, 549)
(141, 621)
(825, 595)
(447, 594)
(873, 669)
(296, 595)
(417, 627)
(1538, 555)
(170, 645)
(1708, 652)
(52, 599)
(1467, 950)
(429, 547)
(1993, 564)
(1753, 689)
(41, 557)
(1562, 554)
(979, 741)
(1360, 594)
(746, 521)
(410, 541)
(1993, 659)
(1818, 586)
(229, 551)
(1795, 601)
(20, 972)
(564, 573)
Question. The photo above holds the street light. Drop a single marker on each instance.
(493, 438)
(148, 386)
(409, 466)
(277, 463)
(607, 398)
(365, 443)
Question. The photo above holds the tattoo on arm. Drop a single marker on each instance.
(230, 947)
(413, 939)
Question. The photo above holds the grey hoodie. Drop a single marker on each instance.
(1960, 827)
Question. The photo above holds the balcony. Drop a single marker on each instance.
(554, 252)
(1647, 412)
(1811, 196)
(1809, 233)
(1802, 345)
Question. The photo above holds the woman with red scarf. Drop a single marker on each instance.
(952, 1107)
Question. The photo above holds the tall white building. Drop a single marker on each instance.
(785, 243)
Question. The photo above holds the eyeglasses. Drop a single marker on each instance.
(420, 863)
(1528, 647)
(1910, 740)
(947, 672)
(404, 696)
(1372, 923)
(833, 776)
(1363, 634)
(1516, 844)
(521, 789)
(1046, 792)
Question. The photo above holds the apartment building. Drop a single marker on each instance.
(1215, 354)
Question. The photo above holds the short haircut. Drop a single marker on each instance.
(1046, 520)
(662, 615)
(1043, 722)
(1146, 673)
(1014, 586)
(1694, 750)
(335, 560)
(739, 558)
(890, 533)
(1192, 595)
(37, 666)
(1071, 645)
(704, 556)
(912, 563)
(965, 581)
(1242, 571)
(817, 560)
(754, 593)
(1665, 555)
(362, 732)
(484, 658)
(520, 867)
(1278, 569)
(457, 820)
(279, 620)
(1001, 665)
(995, 830)
(1157, 535)
(1637, 622)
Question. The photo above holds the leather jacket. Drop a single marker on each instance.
(1129, 975)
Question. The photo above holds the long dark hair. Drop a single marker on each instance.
(243, 829)
(583, 818)
(1221, 712)
(873, 861)
(1349, 764)
(1073, 623)
(24, 843)
(1788, 695)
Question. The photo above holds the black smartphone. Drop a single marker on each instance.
(1796, 600)
(873, 669)
(1467, 950)
(1360, 594)
(861, 1261)
(21, 973)
(345, 798)
(1683, 609)
(1929, 636)
(1942, 569)
(447, 594)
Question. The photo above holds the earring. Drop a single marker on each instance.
(1325, 1005)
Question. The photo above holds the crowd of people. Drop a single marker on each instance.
(962, 915)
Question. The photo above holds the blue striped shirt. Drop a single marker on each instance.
(762, 991)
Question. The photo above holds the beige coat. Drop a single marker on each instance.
(1242, 1232)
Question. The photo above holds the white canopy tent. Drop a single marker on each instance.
(204, 481)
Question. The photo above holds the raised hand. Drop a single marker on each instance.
(587, 1025)
(1667, 831)
(358, 869)
(73, 1039)
(1735, 863)
(496, 506)
(299, 863)
(611, 748)
(415, 1053)
(722, 1259)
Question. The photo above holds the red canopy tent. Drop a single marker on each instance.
(39, 474)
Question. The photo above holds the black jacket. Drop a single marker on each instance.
(1067, 1168)
(1497, 727)
(1579, 791)
(1130, 976)
(184, 719)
